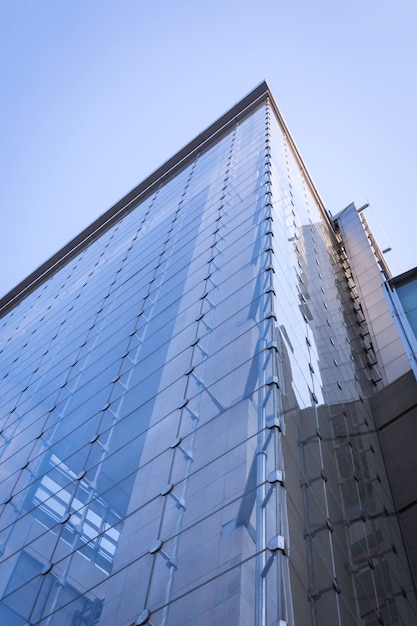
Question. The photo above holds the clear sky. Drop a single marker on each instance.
(95, 94)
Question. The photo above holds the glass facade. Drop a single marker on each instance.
(185, 434)
(401, 293)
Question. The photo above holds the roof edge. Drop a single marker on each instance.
(169, 168)
(299, 158)
(125, 204)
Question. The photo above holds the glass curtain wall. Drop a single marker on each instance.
(347, 559)
(136, 385)
(185, 437)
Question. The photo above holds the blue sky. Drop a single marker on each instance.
(97, 94)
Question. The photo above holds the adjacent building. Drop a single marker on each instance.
(202, 402)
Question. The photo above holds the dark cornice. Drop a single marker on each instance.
(404, 278)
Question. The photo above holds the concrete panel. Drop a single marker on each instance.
(394, 400)
(408, 522)
(399, 444)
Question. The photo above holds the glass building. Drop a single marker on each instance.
(191, 393)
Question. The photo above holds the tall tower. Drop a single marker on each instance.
(187, 428)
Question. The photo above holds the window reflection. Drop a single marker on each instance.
(86, 517)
